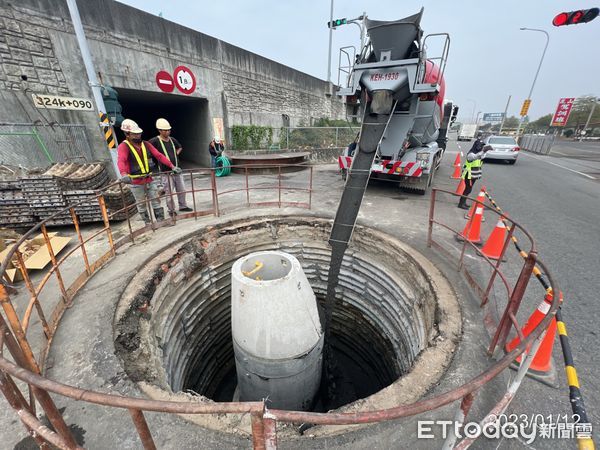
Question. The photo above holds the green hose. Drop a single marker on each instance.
(223, 166)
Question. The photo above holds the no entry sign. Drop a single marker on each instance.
(184, 80)
(164, 81)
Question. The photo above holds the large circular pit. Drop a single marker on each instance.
(395, 315)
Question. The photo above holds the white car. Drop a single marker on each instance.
(504, 148)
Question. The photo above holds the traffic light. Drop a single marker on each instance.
(337, 23)
(575, 17)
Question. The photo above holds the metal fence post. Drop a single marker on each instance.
(36, 136)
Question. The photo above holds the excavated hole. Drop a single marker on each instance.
(386, 313)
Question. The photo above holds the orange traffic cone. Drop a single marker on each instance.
(493, 247)
(481, 198)
(457, 159)
(472, 231)
(456, 174)
(542, 361)
(461, 187)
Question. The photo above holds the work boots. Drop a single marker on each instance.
(159, 214)
(462, 203)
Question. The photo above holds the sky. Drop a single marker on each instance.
(489, 59)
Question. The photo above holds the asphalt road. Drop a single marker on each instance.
(581, 156)
(557, 198)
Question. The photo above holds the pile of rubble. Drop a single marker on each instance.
(27, 198)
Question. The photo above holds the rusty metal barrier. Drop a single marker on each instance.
(28, 369)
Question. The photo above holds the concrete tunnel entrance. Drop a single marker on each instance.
(187, 115)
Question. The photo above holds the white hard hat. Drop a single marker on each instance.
(129, 126)
(163, 124)
(217, 139)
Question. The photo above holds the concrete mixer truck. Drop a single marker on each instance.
(394, 59)
(400, 91)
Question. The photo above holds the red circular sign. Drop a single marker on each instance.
(165, 82)
(184, 80)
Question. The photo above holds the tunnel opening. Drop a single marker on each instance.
(387, 315)
(188, 116)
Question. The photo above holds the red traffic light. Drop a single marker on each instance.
(560, 19)
(575, 17)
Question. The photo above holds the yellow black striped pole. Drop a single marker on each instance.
(107, 130)
(584, 437)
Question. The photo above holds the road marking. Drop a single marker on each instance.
(576, 149)
(561, 166)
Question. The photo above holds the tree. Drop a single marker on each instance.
(511, 122)
(541, 124)
(581, 110)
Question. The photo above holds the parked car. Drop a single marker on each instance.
(504, 148)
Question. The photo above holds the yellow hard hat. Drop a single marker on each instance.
(163, 124)
(129, 126)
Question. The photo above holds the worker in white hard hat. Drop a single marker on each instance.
(136, 167)
(215, 148)
(171, 148)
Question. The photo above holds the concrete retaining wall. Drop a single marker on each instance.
(128, 48)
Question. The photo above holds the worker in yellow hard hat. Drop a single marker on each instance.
(136, 164)
(171, 148)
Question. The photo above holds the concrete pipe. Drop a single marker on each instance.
(277, 335)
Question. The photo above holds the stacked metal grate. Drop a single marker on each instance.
(120, 205)
(15, 211)
(45, 197)
(34, 197)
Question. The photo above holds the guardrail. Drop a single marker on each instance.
(537, 144)
(28, 369)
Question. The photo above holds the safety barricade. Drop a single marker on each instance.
(28, 367)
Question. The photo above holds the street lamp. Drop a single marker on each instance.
(538, 69)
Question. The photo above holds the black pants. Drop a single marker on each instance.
(468, 188)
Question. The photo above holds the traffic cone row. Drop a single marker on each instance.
(542, 361)
(457, 166)
(493, 246)
(481, 198)
(472, 231)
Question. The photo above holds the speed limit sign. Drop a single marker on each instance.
(184, 80)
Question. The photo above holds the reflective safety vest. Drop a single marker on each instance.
(472, 169)
(162, 144)
(144, 165)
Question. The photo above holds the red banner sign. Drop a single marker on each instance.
(561, 116)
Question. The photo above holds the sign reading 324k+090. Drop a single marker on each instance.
(56, 102)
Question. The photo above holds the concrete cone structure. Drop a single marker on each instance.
(472, 231)
(542, 361)
(495, 242)
(277, 336)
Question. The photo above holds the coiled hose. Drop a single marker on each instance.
(223, 166)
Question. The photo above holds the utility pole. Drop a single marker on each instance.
(91, 73)
(537, 72)
(588, 120)
(330, 44)
(505, 112)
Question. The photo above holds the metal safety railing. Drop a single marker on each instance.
(28, 369)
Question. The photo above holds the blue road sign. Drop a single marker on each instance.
(493, 117)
